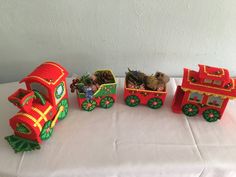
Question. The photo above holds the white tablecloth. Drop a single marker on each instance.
(125, 142)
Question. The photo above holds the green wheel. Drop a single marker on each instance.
(132, 100)
(211, 115)
(47, 131)
(155, 103)
(190, 110)
(65, 104)
(89, 105)
(107, 102)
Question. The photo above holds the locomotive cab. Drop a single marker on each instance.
(51, 85)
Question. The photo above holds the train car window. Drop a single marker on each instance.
(216, 82)
(215, 101)
(207, 81)
(196, 97)
(60, 91)
(40, 88)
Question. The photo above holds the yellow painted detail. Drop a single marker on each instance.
(215, 75)
(48, 82)
(56, 117)
(31, 118)
(150, 91)
(42, 114)
(206, 86)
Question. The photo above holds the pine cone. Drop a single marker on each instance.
(135, 77)
(104, 77)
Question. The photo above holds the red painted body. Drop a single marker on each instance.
(33, 114)
(144, 95)
(208, 89)
(97, 99)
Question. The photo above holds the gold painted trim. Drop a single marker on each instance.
(223, 72)
(42, 115)
(49, 83)
(139, 90)
(31, 118)
(56, 117)
(206, 86)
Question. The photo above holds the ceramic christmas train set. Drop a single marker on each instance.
(205, 92)
(42, 104)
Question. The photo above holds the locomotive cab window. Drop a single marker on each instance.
(207, 81)
(196, 97)
(40, 88)
(215, 101)
(216, 82)
(60, 91)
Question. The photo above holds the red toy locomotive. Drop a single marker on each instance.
(205, 92)
(42, 104)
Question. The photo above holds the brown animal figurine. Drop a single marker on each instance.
(157, 82)
(162, 76)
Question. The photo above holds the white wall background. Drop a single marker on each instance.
(85, 35)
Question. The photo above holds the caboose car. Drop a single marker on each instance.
(42, 104)
(205, 92)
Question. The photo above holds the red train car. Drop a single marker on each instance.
(42, 104)
(205, 92)
(153, 99)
